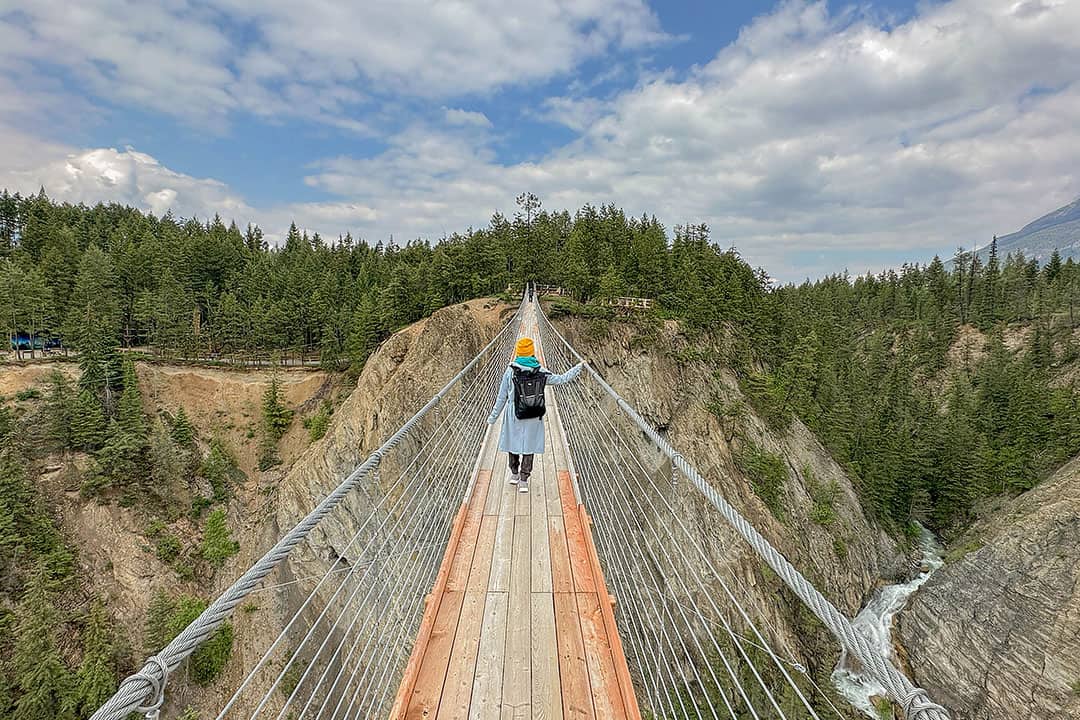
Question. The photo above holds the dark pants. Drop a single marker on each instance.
(521, 465)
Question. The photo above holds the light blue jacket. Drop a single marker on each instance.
(523, 436)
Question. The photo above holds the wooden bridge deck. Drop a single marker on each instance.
(520, 622)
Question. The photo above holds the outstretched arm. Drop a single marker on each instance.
(500, 400)
(566, 376)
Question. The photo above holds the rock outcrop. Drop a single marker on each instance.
(397, 380)
(996, 634)
(846, 556)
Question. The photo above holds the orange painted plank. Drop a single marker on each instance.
(485, 548)
(463, 559)
(607, 611)
(427, 623)
(573, 670)
(479, 494)
(457, 690)
(562, 578)
(580, 565)
(427, 692)
(575, 537)
(566, 493)
(607, 696)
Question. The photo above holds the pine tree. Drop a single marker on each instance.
(217, 546)
(129, 414)
(276, 417)
(58, 411)
(95, 681)
(122, 457)
(93, 322)
(219, 468)
(41, 677)
(183, 432)
(87, 422)
(168, 469)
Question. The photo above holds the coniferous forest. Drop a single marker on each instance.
(865, 362)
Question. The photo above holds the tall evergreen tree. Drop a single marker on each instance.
(42, 679)
(95, 680)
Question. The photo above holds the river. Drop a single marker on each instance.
(875, 623)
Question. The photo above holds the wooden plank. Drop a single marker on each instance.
(520, 565)
(573, 670)
(551, 478)
(487, 684)
(480, 491)
(498, 485)
(562, 578)
(485, 548)
(523, 502)
(499, 577)
(541, 553)
(538, 485)
(517, 681)
(461, 672)
(566, 493)
(580, 566)
(607, 696)
(427, 691)
(546, 695)
(431, 610)
(461, 563)
(607, 612)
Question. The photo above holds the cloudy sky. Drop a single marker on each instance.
(813, 136)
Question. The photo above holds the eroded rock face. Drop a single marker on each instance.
(398, 379)
(846, 557)
(996, 635)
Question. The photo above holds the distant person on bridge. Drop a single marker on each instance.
(522, 434)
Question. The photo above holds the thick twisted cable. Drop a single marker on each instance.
(900, 689)
(135, 690)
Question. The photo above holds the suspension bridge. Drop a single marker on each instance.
(444, 593)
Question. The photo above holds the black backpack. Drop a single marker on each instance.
(529, 393)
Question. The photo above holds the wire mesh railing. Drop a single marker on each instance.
(334, 642)
(698, 637)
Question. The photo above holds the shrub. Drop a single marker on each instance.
(168, 616)
(28, 394)
(168, 547)
(766, 472)
(318, 423)
(766, 396)
(220, 469)
(824, 496)
(217, 545)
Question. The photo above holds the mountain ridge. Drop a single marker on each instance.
(1056, 230)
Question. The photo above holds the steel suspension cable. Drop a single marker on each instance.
(913, 700)
(145, 689)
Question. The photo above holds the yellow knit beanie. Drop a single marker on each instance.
(524, 347)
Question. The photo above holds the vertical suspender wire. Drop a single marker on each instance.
(730, 595)
(914, 700)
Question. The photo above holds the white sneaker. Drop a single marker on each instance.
(513, 478)
(523, 486)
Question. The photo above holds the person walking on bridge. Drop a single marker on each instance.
(522, 435)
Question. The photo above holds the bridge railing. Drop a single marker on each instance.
(342, 593)
(699, 641)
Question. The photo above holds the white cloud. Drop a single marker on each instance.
(204, 60)
(811, 132)
(124, 176)
(459, 117)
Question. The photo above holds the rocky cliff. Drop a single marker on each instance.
(843, 553)
(397, 380)
(996, 634)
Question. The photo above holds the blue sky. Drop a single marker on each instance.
(816, 137)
